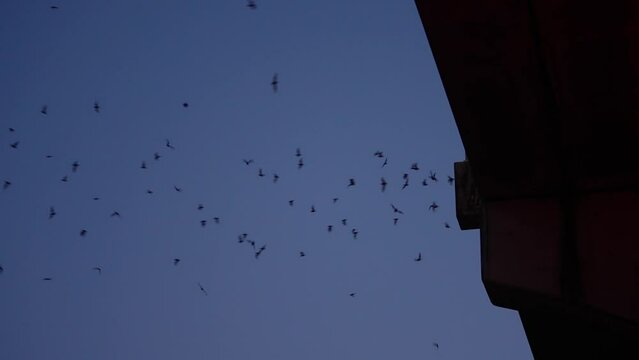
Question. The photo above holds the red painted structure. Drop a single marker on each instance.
(545, 95)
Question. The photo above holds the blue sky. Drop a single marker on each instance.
(355, 77)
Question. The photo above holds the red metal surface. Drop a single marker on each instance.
(521, 245)
(608, 252)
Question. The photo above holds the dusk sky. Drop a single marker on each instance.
(354, 77)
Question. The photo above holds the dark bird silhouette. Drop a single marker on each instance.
(419, 257)
(216, 220)
(275, 178)
(433, 207)
(354, 232)
(169, 145)
(185, 105)
(290, 202)
(98, 269)
(385, 162)
(115, 213)
(176, 261)
(96, 107)
(247, 161)
(414, 167)
(259, 252)
(302, 254)
(433, 176)
(335, 200)
(200, 207)
(251, 4)
(6, 185)
(65, 178)
(312, 208)
(300, 163)
(450, 180)
(379, 154)
(156, 156)
(49, 156)
(298, 152)
(351, 182)
(1, 269)
(203, 223)
(83, 232)
(383, 183)
(12, 129)
(274, 82)
(148, 191)
(330, 228)
(352, 294)
(395, 221)
(202, 289)
(424, 182)
(53, 7)
(143, 166)
(177, 188)
(436, 345)
(447, 225)
(44, 110)
(405, 185)
(14, 145)
(96, 198)
(240, 239)
(52, 212)
(75, 166)
(260, 173)
(252, 243)
(47, 279)
(405, 176)
(344, 222)
(396, 210)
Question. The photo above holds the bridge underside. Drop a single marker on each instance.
(545, 96)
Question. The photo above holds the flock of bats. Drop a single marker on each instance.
(243, 238)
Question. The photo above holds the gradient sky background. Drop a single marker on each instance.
(355, 77)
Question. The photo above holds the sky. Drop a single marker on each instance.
(353, 77)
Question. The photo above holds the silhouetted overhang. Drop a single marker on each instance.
(544, 93)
